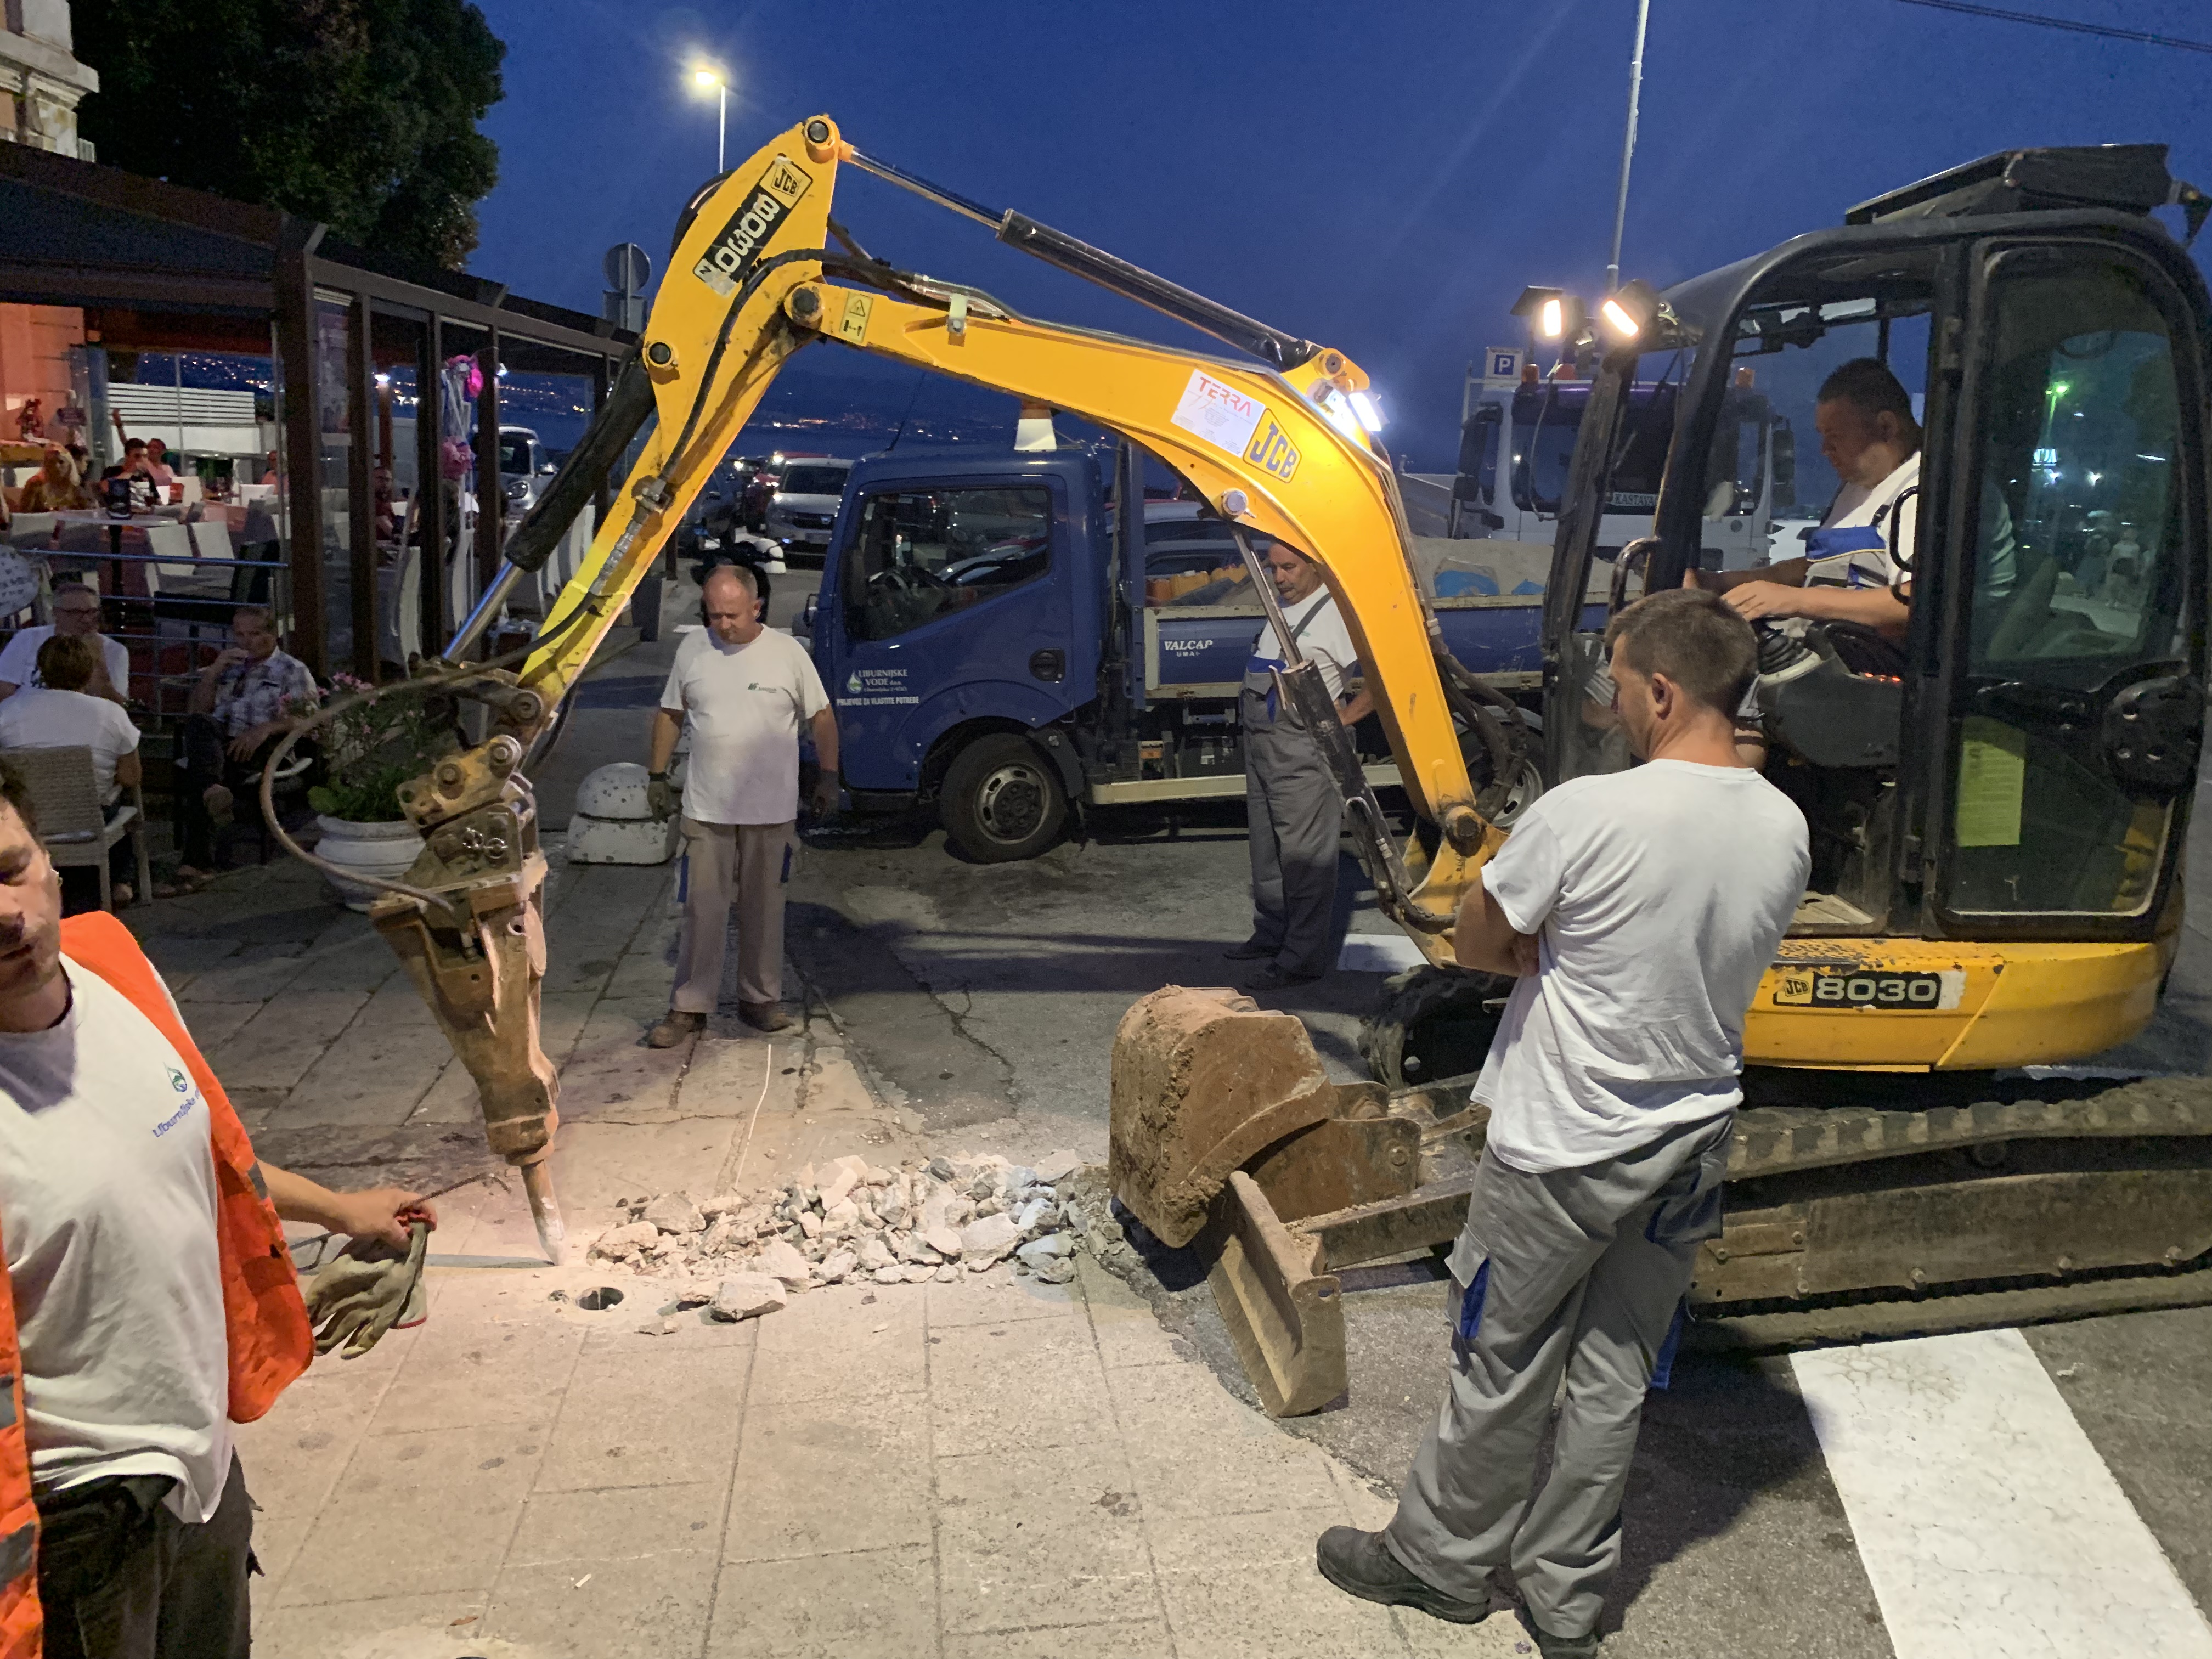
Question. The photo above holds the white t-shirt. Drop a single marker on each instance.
(747, 703)
(35, 717)
(108, 1200)
(1856, 507)
(19, 657)
(1657, 897)
(1325, 638)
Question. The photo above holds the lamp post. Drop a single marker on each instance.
(1628, 145)
(704, 77)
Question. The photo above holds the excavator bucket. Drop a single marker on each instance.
(1227, 1130)
(1203, 1081)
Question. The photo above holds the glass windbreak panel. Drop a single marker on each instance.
(2080, 590)
(335, 438)
(922, 554)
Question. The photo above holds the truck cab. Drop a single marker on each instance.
(1011, 636)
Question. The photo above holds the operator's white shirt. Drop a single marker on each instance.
(1656, 896)
(107, 1206)
(1898, 520)
(747, 703)
(1325, 638)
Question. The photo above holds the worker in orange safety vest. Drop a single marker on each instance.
(150, 1301)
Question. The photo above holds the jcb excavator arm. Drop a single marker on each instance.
(754, 277)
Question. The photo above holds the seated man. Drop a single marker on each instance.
(60, 711)
(1858, 564)
(137, 471)
(243, 704)
(77, 615)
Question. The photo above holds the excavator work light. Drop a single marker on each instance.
(1630, 312)
(1368, 411)
(1552, 313)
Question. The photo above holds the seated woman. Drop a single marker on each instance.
(61, 712)
(56, 488)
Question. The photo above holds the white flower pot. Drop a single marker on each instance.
(387, 850)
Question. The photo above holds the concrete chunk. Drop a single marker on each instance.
(780, 1260)
(836, 1268)
(1055, 1167)
(748, 1296)
(943, 1240)
(989, 1238)
(636, 1233)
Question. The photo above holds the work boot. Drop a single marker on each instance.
(1272, 978)
(1250, 951)
(764, 1016)
(1360, 1564)
(1560, 1647)
(673, 1030)
(217, 798)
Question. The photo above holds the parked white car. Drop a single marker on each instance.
(804, 505)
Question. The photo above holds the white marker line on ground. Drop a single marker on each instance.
(1378, 953)
(1989, 1527)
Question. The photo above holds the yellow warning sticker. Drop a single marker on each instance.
(853, 327)
(1992, 779)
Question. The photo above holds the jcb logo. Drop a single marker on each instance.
(1273, 450)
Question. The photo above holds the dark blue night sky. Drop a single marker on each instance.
(1383, 178)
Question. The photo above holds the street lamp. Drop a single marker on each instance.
(704, 77)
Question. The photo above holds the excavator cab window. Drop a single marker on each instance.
(2077, 705)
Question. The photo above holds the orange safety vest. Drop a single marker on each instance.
(264, 1314)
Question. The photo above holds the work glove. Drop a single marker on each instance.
(660, 796)
(365, 1289)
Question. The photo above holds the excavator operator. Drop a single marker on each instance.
(1858, 566)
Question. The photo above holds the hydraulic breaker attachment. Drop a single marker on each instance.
(477, 956)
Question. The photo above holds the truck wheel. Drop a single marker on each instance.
(1001, 800)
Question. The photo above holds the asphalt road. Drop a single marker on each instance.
(986, 997)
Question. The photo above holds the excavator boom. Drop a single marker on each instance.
(1275, 448)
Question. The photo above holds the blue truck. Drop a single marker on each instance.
(996, 644)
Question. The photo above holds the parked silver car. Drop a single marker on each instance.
(804, 505)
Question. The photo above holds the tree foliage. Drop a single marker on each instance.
(360, 113)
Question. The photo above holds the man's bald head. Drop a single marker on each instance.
(730, 601)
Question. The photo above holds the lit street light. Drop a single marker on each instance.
(705, 78)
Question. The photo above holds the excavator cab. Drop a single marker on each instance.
(2000, 789)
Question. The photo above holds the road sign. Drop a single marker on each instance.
(629, 268)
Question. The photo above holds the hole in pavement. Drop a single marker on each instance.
(598, 1296)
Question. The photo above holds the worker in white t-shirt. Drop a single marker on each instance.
(150, 1305)
(1637, 911)
(1294, 803)
(1858, 566)
(747, 691)
(77, 615)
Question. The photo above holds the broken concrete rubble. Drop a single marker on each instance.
(845, 1221)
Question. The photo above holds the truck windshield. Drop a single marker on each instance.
(814, 481)
(1545, 418)
(922, 553)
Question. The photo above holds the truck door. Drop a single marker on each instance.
(2075, 579)
(954, 601)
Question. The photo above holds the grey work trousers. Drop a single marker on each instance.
(1294, 817)
(726, 865)
(1581, 1269)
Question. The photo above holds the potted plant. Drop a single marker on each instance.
(368, 752)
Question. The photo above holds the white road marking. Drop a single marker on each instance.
(1989, 1527)
(1378, 953)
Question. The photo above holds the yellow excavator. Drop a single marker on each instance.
(1998, 804)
